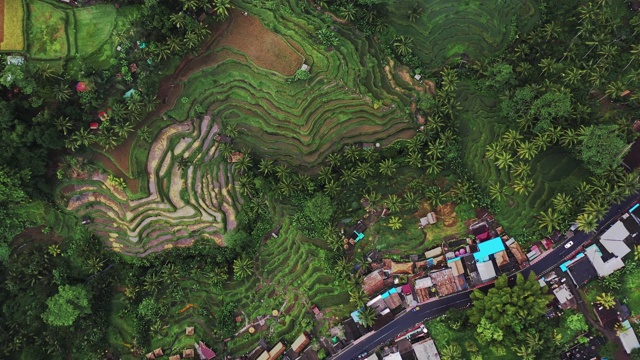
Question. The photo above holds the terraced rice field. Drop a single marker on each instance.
(183, 204)
(552, 171)
(446, 28)
(301, 122)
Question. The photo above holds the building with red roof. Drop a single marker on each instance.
(81, 86)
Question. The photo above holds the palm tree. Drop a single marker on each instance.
(414, 159)
(547, 65)
(242, 267)
(498, 192)
(266, 167)
(628, 184)
(572, 76)
(523, 186)
(432, 165)
(587, 222)
(221, 8)
(395, 223)
(245, 185)
(179, 20)
(550, 31)
(524, 352)
(364, 170)
(511, 138)
(415, 12)
(331, 188)
(335, 242)
(348, 177)
(358, 297)
(436, 148)
(411, 201)
(504, 160)
(61, 92)
(527, 150)
(493, 149)
(606, 300)
(191, 40)
(189, 4)
(550, 220)
(174, 43)
(82, 137)
(151, 282)
(402, 44)
(334, 159)
(388, 167)
(596, 208)
(373, 198)
(521, 169)
(183, 163)
(635, 53)
(63, 124)
(583, 192)
(562, 203)
(614, 90)
(122, 128)
(393, 203)
(244, 163)
(352, 153)
(367, 317)
(348, 12)
(451, 352)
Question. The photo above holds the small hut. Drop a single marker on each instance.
(188, 354)
(189, 331)
(158, 352)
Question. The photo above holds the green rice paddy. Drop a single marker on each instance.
(446, 28)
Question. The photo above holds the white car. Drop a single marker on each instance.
(568, 245)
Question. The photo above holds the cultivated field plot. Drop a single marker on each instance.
(11, 25)
(57, 31)
(47, 31)
(478, 28)
(94, 25)
(184, 202)
(299, 122)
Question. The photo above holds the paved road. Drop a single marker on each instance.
(440, 306)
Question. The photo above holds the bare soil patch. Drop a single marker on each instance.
(264, 47)
(447, 213)
(425, 86)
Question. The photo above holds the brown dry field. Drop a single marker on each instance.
(264, 47)
(1, 21)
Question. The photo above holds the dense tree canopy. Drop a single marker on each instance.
(64, 308)
(508, 312)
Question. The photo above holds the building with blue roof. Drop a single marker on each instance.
(489, 247)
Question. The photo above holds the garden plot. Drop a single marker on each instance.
(179, 208)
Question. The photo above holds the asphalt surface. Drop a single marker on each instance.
(438, 307)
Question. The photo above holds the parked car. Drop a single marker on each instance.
(568, 244)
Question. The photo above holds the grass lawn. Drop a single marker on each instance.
(47, 31)
(93, 27)
(448, 28)
(12, 37)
